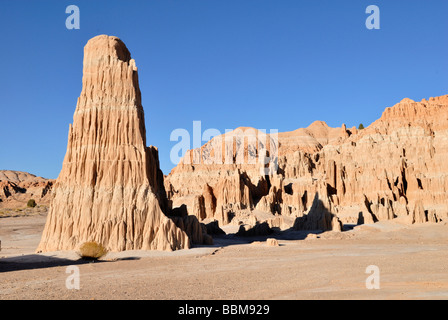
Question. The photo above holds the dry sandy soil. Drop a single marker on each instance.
(412, 260)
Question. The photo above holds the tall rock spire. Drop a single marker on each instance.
(106, 191)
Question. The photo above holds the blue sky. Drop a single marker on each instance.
(268, 64)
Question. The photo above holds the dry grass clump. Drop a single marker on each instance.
(92, 250)
(31, 203)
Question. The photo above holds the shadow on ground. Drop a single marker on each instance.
(233, 239)
(318, 219)
(36, 261)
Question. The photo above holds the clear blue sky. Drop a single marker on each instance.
(268, 64)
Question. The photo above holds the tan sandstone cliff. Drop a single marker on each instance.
(17, 187)
(110, 189)
(395, 168)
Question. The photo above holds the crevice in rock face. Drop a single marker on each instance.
(304, 200)
(396, 181)
(10, 187)
(432, 151)
(419, 183)
(331, 190)
(367, 204)
(388, 184)
(47, 188)
(288, 189)
(405, 182)
(268, 180)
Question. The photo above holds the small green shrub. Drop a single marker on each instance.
(361, 126)
(92, 250)
(31, 203)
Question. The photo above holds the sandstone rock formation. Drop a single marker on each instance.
(17, 187)
(249, 181)
(395, 168)
(110, 189)
(272, 242)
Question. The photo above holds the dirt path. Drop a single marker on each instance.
(412, 264)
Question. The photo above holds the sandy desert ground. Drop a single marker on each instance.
(413, 264)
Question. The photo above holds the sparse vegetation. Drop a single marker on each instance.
(23, 212)
(361, 126)
(31, 203)
(92, 250)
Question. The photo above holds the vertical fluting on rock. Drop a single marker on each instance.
(393, 169)
(108, 189)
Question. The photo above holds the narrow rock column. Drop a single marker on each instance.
(106, 189)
